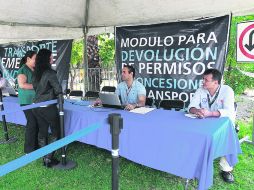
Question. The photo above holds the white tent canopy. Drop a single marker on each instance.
(66, 19)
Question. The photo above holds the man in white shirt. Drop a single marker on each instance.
(215, 100)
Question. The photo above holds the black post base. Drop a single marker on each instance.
(9, 141)
(68, 166)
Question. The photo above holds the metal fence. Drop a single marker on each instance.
(97, 78)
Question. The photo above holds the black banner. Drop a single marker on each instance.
(10, 56)
(170, 58)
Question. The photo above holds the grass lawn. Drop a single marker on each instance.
(94, 170)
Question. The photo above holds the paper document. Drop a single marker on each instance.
(142, 110)
(191, 115)
(82, 103)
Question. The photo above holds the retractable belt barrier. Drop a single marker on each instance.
(22, 161)
(114, 120)
(26, 159)
(31, 106)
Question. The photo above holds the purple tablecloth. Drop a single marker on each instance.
(163, 140)
(12, 104)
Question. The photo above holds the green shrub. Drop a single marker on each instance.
(233, 77)
(245, 128)
(238, 81)
(248, 67)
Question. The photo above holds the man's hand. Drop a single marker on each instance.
(199, 113)
(97, 102)
(130, 107)
(206, 113)
(202, 113)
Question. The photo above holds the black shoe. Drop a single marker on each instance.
(227, 176)
(54, 161)
(50, 162)
(46, 162)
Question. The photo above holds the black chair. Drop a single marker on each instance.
(92, 95)
(67, 91)
(13, 95)
(108, 89)
(172, 104)
(77, 93)
(237, 127)
(235, 106)
(149, 102)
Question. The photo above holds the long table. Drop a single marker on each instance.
(164, 140)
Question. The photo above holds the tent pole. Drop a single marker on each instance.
(85, 65)
(85, 58)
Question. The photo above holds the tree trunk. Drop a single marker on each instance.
(94, 79)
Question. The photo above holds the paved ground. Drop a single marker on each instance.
(245, 104)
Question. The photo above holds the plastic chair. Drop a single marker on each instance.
(76, 94)
(149, 102)
(237, 127)
(91, 95)
(172, 104)
(68, 91)
(108, 89)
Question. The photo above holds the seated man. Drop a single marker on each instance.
(131, 92)
(215, 100)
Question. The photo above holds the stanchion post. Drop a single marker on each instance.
(7, 140)
(116, 124)
(61, 117)
(64, 164)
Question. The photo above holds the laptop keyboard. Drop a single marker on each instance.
(113, 106)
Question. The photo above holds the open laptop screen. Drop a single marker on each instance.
(110, 100)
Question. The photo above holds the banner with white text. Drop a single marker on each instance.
(10, 56)
(170, 58)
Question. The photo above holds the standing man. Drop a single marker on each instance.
(215, 100)
(131, 92)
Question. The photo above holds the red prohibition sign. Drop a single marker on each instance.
(241, 42)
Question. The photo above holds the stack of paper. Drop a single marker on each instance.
(191, 115)
(142, 110)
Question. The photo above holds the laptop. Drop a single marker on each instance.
(110, 100)
(9, 91)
